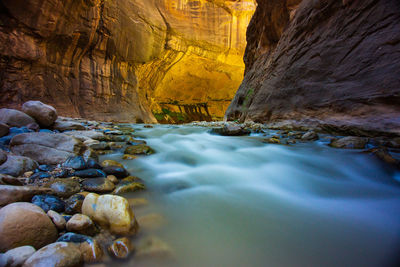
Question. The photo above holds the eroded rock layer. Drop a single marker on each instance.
(119, 60)
(335, 61)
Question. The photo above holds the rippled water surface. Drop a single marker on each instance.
(235, 201)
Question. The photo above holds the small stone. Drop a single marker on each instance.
(121, 248)
(112, 179)
(128, 187)
(59, 254)
(65, 187)
(18, 256)
(310, 136)
(230, 130)
(108, 163)
(49, 202)
(33, 126)
(67, 126)
(75, 162)
(74, 204)
(129, 157)
(99, 185)
(110, 212)
(23, 224)
(3, 156)
(81, 224)
(349, 142)
(93, 164)
(139, 150)
(90, 173)
(272, 141)
(74, 238)
(91, 251)
(58, 220)
(44, 114)
(119, 172)
(28, 174)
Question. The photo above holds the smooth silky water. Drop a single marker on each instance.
(235, 201)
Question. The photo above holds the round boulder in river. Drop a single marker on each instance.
(44, 114)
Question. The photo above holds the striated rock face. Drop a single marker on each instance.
(119, 60)
(335, 61)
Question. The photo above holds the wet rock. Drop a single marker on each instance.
(17, 165)
(74, 204)
(44, 114)
(151, 221)
(76, 163)
(91, 251)
(90, 154)
(10, 194)
(349, 142)
(112, 179)
(310, 136)
(154, 248)
(230, 130)
(23, 224)
(34, 127)
(108, 163)
(74, 238)
(15, 118)
(62, 126)
(110, 212)
(49, 202)
(59, 254)
(45, 168)
(128, 157)
(65, 187)
(121, 248)
(4, 129)
(81, 224)
(93, 164)
(39, 176)
(3, 156)
(98, 185)
(90, 173)
(128, 186)
(271, 141)
(139, 150)
(46, 148)
(58, 220)
(134, 142)
(87, 135)
(16, 257)
(11, 180)
(119, 172)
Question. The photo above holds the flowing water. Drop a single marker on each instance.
(235, 201)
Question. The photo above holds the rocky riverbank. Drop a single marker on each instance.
(60, 206)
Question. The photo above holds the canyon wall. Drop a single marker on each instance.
(334, 61)
(121, 60)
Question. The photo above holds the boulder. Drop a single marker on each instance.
(76, 163)
(63, 126)
(10, 194)
(46, 148)
(112, 212)
(74, 204)
(17, 256)
(310, 136)
(81, 224)
(4, 129)
(230, 130)
(350, 142)
(59, 254)
(119, 172)
(15, 118)
(98, 185)
(58, 220)
(17, 165)
(87, 135)
(23, 224)
(44, 114)
(90, 173)
(3, 156)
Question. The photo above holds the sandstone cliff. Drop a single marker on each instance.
(333, 61)
(120, 60)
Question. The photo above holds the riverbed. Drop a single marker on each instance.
(236, 201)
